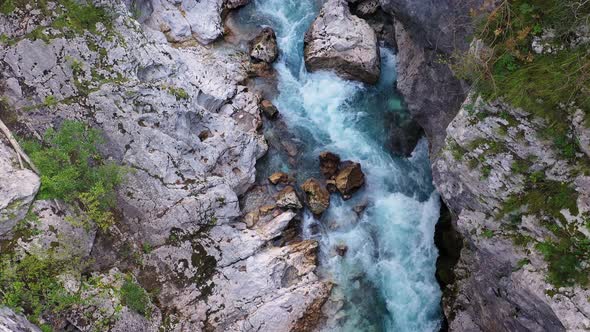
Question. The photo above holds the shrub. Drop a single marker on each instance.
(29, 285)
(135, 297)
(80, 17)
(566, 260)
(73, 170)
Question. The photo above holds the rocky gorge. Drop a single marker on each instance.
(235, 212)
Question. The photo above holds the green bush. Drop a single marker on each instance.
(29, 285)
(80, 17)
(135, 297)
(566, 260)
(73, 170)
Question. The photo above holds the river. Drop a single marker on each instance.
(386, 281)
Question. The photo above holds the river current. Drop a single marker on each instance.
(386, 281)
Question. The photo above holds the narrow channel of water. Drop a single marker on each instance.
(386, 281)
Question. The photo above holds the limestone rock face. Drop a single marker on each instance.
(18, 187)
(343, 43)
(264, 46)
(182, 122)
(476, 173)
(318, 197)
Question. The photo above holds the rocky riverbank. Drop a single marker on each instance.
(185, 125)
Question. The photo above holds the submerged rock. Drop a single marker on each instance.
(318, 197)
(341, 249)
(344, 43)
(278, 177)
(287, 199)
(268, 109)
(329, 163)
(350, 179)
(264, 46)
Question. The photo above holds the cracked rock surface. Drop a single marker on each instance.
(187, 128)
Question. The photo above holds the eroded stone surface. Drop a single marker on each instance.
(342, 42)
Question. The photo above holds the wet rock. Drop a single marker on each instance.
(264, 46)
(341, 249)
(18, 188)
(342, 42)
(360, 208)
(317, 197)
(350, 178)
(13, 322)
(404, 133)
(329, 163)
(260, 69)
(287, 199)
(268, 109)
(278, 177)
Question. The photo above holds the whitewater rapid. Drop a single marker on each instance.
(386, 281)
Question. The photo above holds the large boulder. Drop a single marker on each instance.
(264, 46)
(344, 43)
(318, 197)
(287, 199)
(350, 179)
(18, 188)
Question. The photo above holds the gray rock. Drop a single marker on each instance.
(13, 322)
(287, 199)
(264, 46)
(342, 42)
(490, 282)
(18, 188)
(188, 19)
(430, 90)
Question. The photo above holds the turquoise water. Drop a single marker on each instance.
(386, 281)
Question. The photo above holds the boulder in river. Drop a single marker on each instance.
(318, 197)
(341, 249)
(329, 163)
(287, 199)
(350, 178)
(278, 177)
(344, 43)
(264, 46)
(268, 109)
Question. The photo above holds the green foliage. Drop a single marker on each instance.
(73, 170)
(566, 260)
(544, 197)
(487, 233)
(135, 297)
(7, 7)
(541, 84)
(50, 101)
(179, 93)
(29, 285)
(81, 17)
